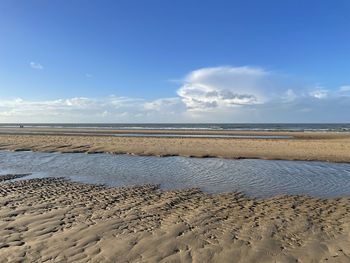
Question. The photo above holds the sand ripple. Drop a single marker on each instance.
(56, 220)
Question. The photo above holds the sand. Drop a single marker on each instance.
(55, 220)
(315, 146)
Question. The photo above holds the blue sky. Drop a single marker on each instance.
(174, 61)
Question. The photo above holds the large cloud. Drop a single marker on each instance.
(251, 94)
(209, 89)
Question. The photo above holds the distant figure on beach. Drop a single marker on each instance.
(21, 126)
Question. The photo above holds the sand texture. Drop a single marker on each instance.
(54, 220)
(334, 147)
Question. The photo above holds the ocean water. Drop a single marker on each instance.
(256, 178)
(339, 127)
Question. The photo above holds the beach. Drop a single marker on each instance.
(174, 131)
(58, 220)
(310, 146)
(55, 220)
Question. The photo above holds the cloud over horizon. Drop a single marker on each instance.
(224, 87)
(216, 94)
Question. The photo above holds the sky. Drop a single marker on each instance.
(174, 61)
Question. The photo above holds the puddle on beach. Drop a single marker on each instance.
(256, 178)
(173, 135)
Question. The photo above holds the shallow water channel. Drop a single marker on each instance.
(256, 178)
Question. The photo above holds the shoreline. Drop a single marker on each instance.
(108, 132)
(61, 220)
(310, 146)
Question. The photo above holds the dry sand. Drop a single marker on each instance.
(334, 147)
(54, 220)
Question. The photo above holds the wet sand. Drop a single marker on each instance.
(54, 220)
(316, 146)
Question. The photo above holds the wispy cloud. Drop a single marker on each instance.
(82, 109)
(319, 93)
(344, 88)
(165, 105)
(35, 65)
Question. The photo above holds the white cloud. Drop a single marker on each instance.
(245, 94)
(79, 102)
(123, 102)
(222, 88)
(164, 105)
(344, 88)
(35, 65)
(105, 113)
(219, 94)
(81, 109)
(290, 95)
(319, 93)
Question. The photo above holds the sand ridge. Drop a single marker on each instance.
(56, 220)
(334, 147)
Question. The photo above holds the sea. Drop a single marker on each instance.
(325, 127)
